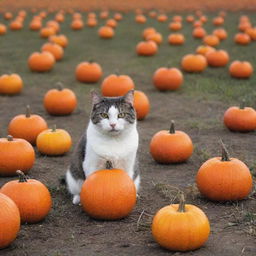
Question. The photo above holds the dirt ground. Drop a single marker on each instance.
(68, 230)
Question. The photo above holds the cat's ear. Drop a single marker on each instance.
(96, 98)
(129, 97)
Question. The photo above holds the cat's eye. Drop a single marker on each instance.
(104, 115)
(121, 115)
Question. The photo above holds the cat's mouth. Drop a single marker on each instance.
(113, 130)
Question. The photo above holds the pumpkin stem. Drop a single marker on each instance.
(109, 165)
(28, 112)
(22, 176)
(90, 60)
(242, 104)
(9, 138)
(54, 128)
(182, 203)
(225, 154)
(59, 86)
(172, 128)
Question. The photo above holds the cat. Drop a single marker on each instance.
(110, 136)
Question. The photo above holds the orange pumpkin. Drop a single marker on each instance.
(240, 69)
(211, 40)
(218, 58)
(221, 33)
(116, 85)
(167, 79)
(111, 23)
(147, 48)
(197, 24)
(156, 37)
(41, 62)
(53, 142)
(242, 38)
(152, 14)
(59, 17)
(204, 49)
(199, 32)
(8, 15)
(91, 22)
(88, 72)
(190, 18)
(177, 18)
(203, 19)
(171, 146)
(77, 24)
(240, 119)
(106, 32)
(55, 49)
(3, 29)
(53, 24)
(147, 31)
(108, 194)
(182, 219)
(15, 154)
(141, 104)
(35, 25)
(47, 32)
(31, 196)
(104, 14)
(224, 178)
(9, 221)
(175, 26)
(59, 39)
(140, 19)
(218, 21)
(10, 84)
(27, 126)
(16, 25)
(118, 16)
(176, 39)
(194, 63)
(162, 18)
(60, 101)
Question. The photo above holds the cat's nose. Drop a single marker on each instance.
(113, 125)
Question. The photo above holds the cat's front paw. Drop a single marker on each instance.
(76, 199)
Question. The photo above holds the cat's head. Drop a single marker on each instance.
(113, 115)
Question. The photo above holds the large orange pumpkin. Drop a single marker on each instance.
(171, 146)
(147, 48)
(27, 126)
(218, 58)
(180, 227)
(10, 84)
(224, 178)
(55, 49)
(116, 85)
(88, 72)
(240, 119)
(141, 104)
(106, 32)
(240, 69)
(108, 194)
(41, 62)
(167, 79)
(15, 154)
(31, 196)
(53, 142)
(60, 101)
(194, 63)
(9, 221)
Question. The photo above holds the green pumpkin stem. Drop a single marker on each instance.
(22, 176)
(172, 128)
(109, 165)
(182, 204)
(242, 104)
(59, 86)
(28, 112)
(54, 128)
(9, 138)
(225, 154)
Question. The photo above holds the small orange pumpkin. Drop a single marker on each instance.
(60, 101)
(41, 62)
(175, 26)
(77, 24)
(224, 178)
(88, 72)
(251, 32)
(106, 32)
(162, 17)
(141, 19)
(204, 49)
(118, 16)
(172, 225)
(61, 40)
(116, 85)
(147, 31)
(8, 15)
(35, 25)
(27, 126)
(47, 32)
(55, 49)
(108, 194)
(190, 18)
(218, 58)
(141, 104)
(167, 79)
(111, 23)
(171, 146)
(148, 48)
(211, 40)
(15, 154)
(240, 119)
(3, 29)
(240, 69)
(31, 196)
(9, 221)
(194, 63)
(16, 25)
(199, 32)
(242, 39)
(53, 142)
(156, 37)
(91, 22)
(10, 84)
(221, 33)
(53, 24)
(176, 39)
(218, 21)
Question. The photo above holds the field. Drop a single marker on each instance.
(197, 109)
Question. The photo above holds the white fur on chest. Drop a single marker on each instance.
(120, 150)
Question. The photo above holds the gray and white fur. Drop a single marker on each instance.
(111, 135)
